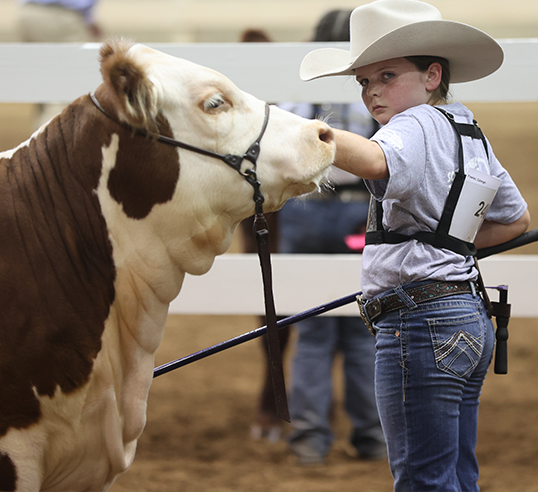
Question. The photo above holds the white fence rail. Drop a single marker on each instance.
(301, 282)
(270, 71)
(33, 73)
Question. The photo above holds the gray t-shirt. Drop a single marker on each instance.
(421, 148)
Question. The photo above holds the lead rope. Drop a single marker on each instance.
(276, 367)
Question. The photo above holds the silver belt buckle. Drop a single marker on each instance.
(362, 302)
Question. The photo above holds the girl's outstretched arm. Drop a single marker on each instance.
(360, 156)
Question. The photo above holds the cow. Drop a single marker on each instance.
(100, 220)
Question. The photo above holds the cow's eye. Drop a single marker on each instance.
(214, 102)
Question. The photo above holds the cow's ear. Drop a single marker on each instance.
(129, 83)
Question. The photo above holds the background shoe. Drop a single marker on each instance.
(272, 434)
(369, 448)
(306, 454)
(373, 454)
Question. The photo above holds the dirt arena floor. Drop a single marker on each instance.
(198, 438)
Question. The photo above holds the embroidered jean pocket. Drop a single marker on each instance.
(457, 343)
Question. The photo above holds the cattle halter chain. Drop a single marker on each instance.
(261, 231)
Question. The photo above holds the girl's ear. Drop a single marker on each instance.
(433, 76)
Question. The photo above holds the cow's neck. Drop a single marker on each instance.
(157, 238)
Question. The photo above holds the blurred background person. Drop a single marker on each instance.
(329, 223)
(254, 36)
(56, 21)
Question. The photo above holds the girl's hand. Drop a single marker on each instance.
(493, 233)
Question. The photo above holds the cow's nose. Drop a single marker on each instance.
(326, 134)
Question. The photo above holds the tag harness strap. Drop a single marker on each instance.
(440, 238)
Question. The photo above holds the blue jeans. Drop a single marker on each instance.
(431, 363)
(309, 226)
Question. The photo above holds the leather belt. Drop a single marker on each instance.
(370, 310)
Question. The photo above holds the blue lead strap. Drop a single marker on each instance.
(251, 335)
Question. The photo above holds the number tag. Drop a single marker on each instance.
(476, 196)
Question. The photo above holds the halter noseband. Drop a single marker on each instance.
(232, 160)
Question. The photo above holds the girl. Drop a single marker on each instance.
(438, 193)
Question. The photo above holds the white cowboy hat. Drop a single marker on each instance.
(386, 29)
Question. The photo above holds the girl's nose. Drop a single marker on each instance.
(373, 89)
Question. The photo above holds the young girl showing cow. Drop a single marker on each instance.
(438, 193)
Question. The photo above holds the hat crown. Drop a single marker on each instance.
(385, 29)
(374, 20)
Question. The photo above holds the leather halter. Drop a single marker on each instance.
(261, 232)
(232, 160)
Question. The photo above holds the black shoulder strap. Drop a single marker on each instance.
(440, 238)
(465, 129)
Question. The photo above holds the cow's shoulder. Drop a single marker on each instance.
(56, 269)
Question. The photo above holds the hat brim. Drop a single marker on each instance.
(472, 53)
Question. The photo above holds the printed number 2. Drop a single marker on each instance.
(481, 209)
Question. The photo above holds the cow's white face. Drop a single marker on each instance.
(205, 109)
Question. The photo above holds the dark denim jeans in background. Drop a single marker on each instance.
(311, 226)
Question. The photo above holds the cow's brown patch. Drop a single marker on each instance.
(56, 268)
(145, 174)
(8, 474)
(146, 171)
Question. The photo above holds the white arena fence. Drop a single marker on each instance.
(270, 71)
(41, 73)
